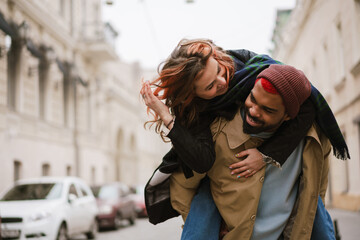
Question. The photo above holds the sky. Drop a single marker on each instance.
(150, 29)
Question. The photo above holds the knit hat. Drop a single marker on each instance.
(291, 83)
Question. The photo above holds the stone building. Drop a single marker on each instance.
(322, 37)
(68, 104)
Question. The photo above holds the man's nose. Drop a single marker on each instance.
(254, 111)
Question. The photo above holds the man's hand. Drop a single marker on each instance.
(250, 165)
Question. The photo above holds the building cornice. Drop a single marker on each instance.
(293, 29)
(49, 22)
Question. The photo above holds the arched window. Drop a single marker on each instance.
(132, 142)
(5, 40)
(68, 171)
(14, 71)
(17, 170)
(46, 169)
(93, 175)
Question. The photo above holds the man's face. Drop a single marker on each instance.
(264, 111)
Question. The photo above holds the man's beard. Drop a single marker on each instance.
(248, 129)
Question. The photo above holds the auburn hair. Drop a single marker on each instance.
(177, 76)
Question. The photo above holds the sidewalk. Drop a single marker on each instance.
(348, 223)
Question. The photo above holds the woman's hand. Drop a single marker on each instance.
(250, 165)
(155, 103)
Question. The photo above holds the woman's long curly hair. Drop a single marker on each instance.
(177, 75)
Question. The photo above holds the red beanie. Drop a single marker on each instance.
(291, 83)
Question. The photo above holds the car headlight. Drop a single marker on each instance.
(39, 216)
(105, 209)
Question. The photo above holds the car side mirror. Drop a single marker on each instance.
(71, 198)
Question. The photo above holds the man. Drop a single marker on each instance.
(274, 203)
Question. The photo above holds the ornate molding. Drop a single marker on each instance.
(48, 21)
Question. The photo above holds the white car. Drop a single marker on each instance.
(48, 208)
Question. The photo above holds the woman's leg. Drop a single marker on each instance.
(204, 220)
(323, 228)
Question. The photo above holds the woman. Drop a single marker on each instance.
(199, 82)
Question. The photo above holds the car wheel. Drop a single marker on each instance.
(62, 233)
(132, 218)
(93, 230)
(117, 221)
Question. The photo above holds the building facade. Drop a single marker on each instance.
(322, 37)
(68, 105)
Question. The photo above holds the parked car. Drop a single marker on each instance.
(139, 199)
(114, 205)
(48, 208)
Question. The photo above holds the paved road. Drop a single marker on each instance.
(348, 225)
(143, 230)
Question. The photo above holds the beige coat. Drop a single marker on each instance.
(237, 199)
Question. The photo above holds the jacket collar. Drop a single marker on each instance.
(234, 132)
(313, 133)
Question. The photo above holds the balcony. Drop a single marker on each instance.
(98, 42)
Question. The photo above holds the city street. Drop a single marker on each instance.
(348, 223)
(348, 226)
(143, 230)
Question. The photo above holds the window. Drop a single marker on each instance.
(326, 76)
(314, 74)
(34, 191)
(72, 190)
(14, 71)
(43, 82)
(62, 8)
(83, 191)
(89, 108)
(105, 174)
(68, 171)
(68, 93)
(340, 76)
(356, 38)
(45, 169)
(132, 142)
(17, 170)
(93, 175)
(84, 13)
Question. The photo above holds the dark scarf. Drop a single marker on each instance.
(243, 81)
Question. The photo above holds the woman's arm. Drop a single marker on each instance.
(287, 137)
(194, 147)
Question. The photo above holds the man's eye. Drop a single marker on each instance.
(210, 87)
(269, 111)
(252, 98)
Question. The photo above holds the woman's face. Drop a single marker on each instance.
(212, 82)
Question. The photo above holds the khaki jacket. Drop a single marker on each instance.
(237, 199)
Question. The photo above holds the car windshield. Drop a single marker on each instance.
(107, 192)
(36, 191)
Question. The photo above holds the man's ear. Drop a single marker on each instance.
(287, 117)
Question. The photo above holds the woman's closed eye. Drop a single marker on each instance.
(210, 86)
